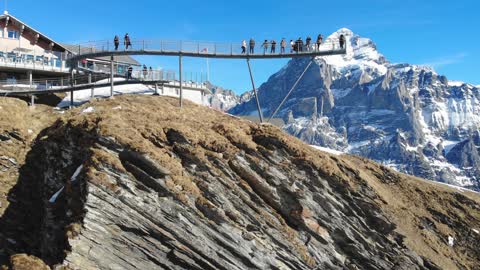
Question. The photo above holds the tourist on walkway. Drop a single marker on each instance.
(252, 46)
(319, 41)
(244, 46)
(308, 41)
(283, 45)
(274, 45)
(342, 41)
(145, 72)
(292, 46)
(300, 44)
(129, 73)
(116, 42)
(127, 42)
(150, 72)
(265, 46)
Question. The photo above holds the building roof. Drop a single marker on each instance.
(124, 59)
(41, 35)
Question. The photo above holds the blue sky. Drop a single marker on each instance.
(444, 34)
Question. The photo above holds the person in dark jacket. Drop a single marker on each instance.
(265, 46)
(308, 42)
(252, 46)
(342, 41)
(274, 45)
(129, 73)
(296, 47)
(127, 42)
(319, 41)
(116, 42)
(300, 45)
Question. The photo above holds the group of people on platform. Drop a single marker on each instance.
(146, 72)
(295, 46)
(126, 42)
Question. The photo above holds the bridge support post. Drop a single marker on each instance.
(92, 94)
(111, 76)
(30, 78)
(32, 103)
(260, 114)
(291, 90)
(180, 67)
(156, 90)
(72, 83)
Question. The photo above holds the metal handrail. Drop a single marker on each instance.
(200, 47)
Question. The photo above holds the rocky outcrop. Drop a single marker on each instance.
(152, 186)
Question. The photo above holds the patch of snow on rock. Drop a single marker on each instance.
(88, 110)
(328, 150)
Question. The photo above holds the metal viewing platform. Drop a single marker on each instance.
(205, 49)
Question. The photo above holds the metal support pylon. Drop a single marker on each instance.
(72, 79)
(111, 76)
(291, 90)
(260, 114)
(181, 86)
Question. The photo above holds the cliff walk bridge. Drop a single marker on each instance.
(91, 50)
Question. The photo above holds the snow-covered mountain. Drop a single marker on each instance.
(224, 99)
(405, 116)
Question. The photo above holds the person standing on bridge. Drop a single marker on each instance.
(342, 41)
(292, 46)
(145, 72)
(265, 46)
(150, 72)
(300, 44)
(116, 42)
(129, 73)
(244, 46)
(283, 45)
(252, 46)
(127, 41)
(319, 41)
(274, 45)
(308, 42)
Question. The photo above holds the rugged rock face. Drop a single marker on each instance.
(150, 186)
(222, 99)
(405, 116)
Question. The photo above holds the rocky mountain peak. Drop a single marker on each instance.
(361, 52)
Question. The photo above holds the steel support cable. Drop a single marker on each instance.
(291, 90)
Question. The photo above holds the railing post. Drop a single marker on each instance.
(143, 45)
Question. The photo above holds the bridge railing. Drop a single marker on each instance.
(205, 48)
(189, 79)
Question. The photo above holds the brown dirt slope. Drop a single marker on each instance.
(199, 150)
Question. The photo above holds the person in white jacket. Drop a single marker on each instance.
(244, 46)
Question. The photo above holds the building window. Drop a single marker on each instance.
(13, 34)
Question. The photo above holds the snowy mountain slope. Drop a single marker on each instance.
(405, 116)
